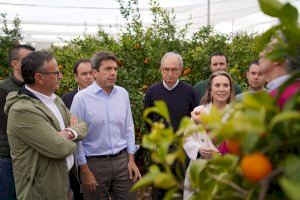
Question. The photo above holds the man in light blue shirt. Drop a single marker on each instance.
(106, 155)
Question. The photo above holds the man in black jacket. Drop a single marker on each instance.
(13, 83)
(84, 77)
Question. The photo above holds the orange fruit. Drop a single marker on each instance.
(255, 166)
(186, 71)
(137, 46)
(233, 146)
(145, 88)
(120, 63)
(147, 61)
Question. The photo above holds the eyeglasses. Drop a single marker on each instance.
(55, 73)
(167, 70)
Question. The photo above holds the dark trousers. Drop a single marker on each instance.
(112, 177)
(75, 186)
(7, 184)
(179, 170)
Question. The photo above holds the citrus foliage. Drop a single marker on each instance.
(10, 38)
(139, 50)
(264, 161)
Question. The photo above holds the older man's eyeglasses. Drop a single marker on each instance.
(172, 70)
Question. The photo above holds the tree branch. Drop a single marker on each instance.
(266, 182)
(229, 183)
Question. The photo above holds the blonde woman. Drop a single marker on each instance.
(219, 93)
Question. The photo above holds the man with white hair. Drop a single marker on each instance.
(180, 97)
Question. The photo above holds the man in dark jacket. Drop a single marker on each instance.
(83, 76)
(12, 83)
(218, 61)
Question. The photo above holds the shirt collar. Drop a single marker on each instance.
(41, 96)
(253, 91)
(96, 88)
(274, 84)
(170, 88)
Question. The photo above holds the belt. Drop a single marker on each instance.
(109, 156)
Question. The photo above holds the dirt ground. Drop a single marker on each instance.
(144, 194)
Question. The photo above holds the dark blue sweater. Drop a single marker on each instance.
(180, 101)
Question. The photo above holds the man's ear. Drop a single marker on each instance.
(94, 71)
(39, 78)
(181, 68)
(247, 74)
(16, 65)
(75, 75)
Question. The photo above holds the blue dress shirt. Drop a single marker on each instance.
(109, 120)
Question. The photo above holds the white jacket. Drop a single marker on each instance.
(191, 145)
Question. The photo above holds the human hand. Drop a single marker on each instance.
(206, 152)
(87, 178)
(195, 115)
(134, 172)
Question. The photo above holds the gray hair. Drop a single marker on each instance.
(169, 54)
(100, 56)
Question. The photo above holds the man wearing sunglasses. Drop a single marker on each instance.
(41, 131)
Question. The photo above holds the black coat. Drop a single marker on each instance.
(68, 98)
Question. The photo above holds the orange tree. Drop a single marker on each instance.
(9, 38)
(139, 50)
(263, 139)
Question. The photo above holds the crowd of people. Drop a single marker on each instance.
(82, 146)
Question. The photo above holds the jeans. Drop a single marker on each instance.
(7, 184)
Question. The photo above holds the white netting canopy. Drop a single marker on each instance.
(47, 22)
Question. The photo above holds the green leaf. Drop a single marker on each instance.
(170, 194)
(293, 103)
(278, 54)
(251, 141)
(184, 124)
(290, 188)
(195, 170)
(163, 110)
(148, 143)
(258, 100)
(289, 15)
(164, 181)
(283, 117)
(148, 179)
(292, 168)
(159, 108)
(224, 161)
(145, 181)
(170, 158)
(266, 37)
(271, 7)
